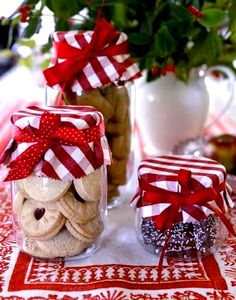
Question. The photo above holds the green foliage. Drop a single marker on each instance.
(186, 33)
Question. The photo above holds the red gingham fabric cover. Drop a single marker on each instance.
(162, 172)
(99, 71)
(63, 162)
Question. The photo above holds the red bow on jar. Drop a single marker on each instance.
(185, 201)
(50, 135)
(104, 55)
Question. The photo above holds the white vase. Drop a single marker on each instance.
(169, 111)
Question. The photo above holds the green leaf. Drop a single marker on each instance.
(138, 38)
(232, 16)
(61, 24)
(213, 17)
(63, 8)
(164, 43)
(29, 43)
(180, 13)
(206, 50)
(146, 26)
(33, 26)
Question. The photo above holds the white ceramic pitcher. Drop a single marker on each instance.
(169, 111)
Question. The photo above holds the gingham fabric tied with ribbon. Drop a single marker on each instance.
(63, 143)
(90, 59)
(184, 188)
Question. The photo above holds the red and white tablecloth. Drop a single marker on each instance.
(120, 270)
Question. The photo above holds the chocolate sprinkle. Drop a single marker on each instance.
(187, 239)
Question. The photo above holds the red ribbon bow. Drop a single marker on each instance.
(103, 43)
(49, 135)
(184, 200)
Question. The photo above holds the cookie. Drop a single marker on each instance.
(115, 129)
(40, 220)
(17, 202)
(20, 186)
(117, 172)
(31, 247)
(95, 99)
(112, 190)
(63, 244)
(76, 211)
(44, 189)
(110, 94)
(89, 186)
(120, 146)
(122, 105)
(86, 232)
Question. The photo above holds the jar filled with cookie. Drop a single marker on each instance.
(94, 68)
(57, 163)
(182, 206)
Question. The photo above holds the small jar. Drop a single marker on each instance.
(58, 172)
(179, 206)
(94, 68)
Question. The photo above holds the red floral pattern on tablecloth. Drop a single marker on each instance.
(22, 277)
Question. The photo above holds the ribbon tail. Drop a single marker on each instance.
(223, 218)
(21, 167)
(64, 72)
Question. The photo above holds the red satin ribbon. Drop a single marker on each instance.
(103, 43)
(50, 133)
(184, 200)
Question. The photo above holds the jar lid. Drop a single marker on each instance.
(90, 59)
(193, 185)
(65, 143)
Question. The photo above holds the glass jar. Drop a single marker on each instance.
(54, 218)
(179, 206)
(114, 102)
(59, 182)
(94, 68)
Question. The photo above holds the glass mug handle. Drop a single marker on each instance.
(230, 78)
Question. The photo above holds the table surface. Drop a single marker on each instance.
(120, 270)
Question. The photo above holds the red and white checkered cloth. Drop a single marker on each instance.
(162, 173)
(61, 160)
(90, 59)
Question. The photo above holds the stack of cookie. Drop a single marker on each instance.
(56, 218)
(113, 102)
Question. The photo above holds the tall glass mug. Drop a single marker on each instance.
(59, 183)
(94, 68)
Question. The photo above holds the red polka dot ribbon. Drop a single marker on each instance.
(76, 150)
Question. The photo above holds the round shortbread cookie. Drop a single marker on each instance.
(40, 220)
(117, 172)
(17, 202)
(89, 186)
(45, 189)
(31, 247)
(122, 105)
(20, 186)
(76, 211)
(95, 99)
(86, 232)
(63, 244)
